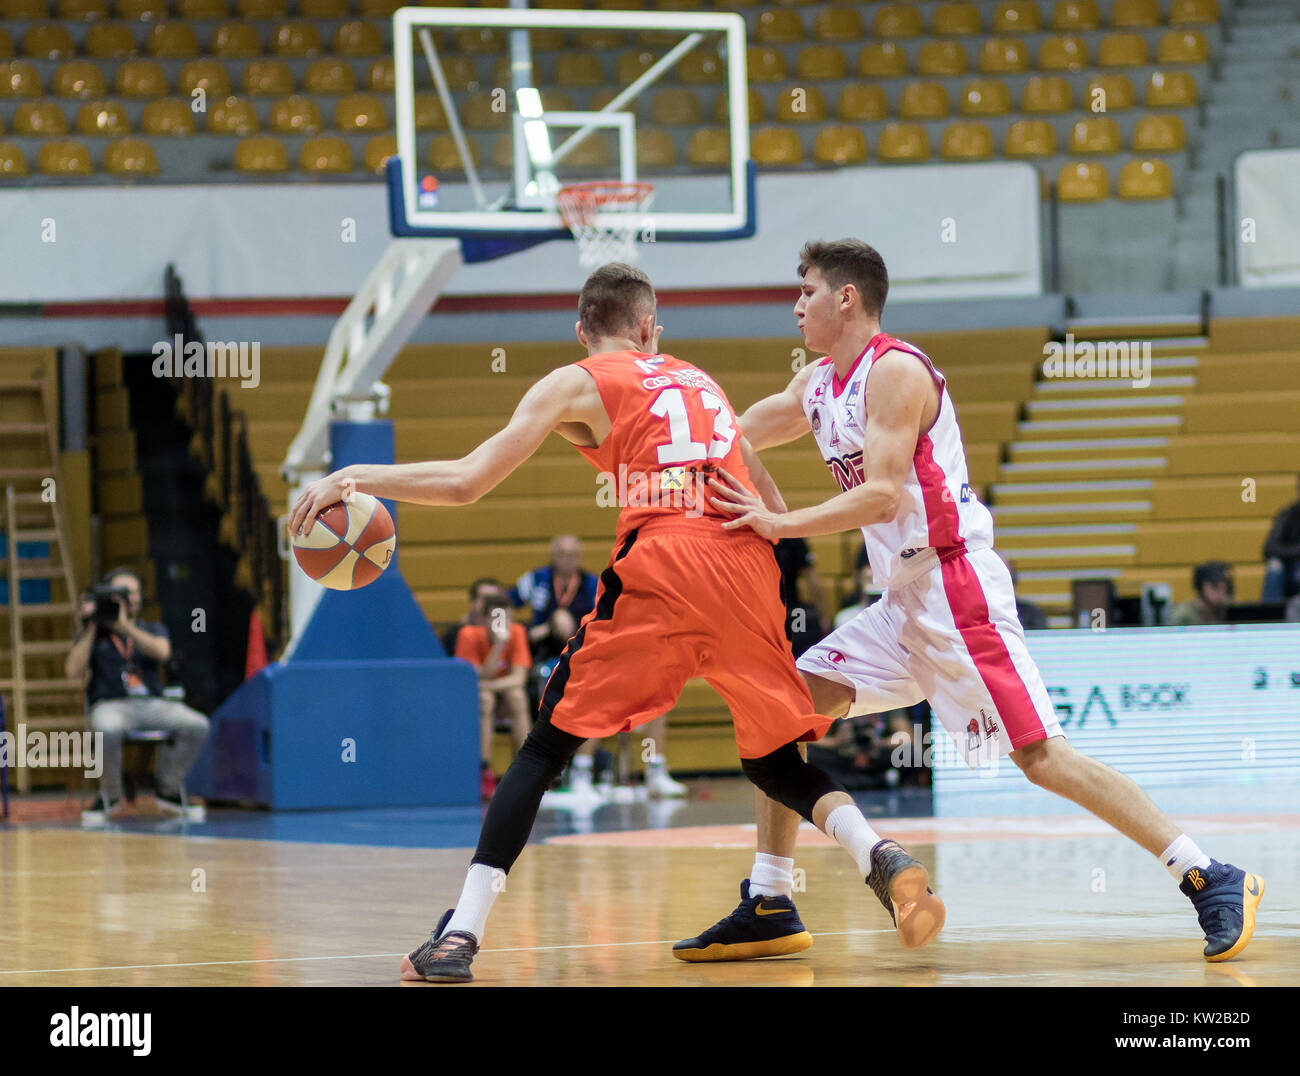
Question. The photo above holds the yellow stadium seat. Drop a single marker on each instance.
(773, 147)
(477, 112)
(131, 157)
(173, 41)
(1004, 56)
(1159, 134)
(942, 59)
(328, 76)
(902, 142)
(233, 116)
(323, 9)
(579, 69)
(296, 114)
(43, 118)
(839, 24)
(1017, 17)
(1122, 50)
(1109, 93)
(803, 104)
(924, 101)
(592, 152)
(381, 77)
(261, 155)
(1182, 47)
(64, 159)
(377, 152)
(236, 40)
(428, 112)
(821, 62)
(81, 78)
(722, 108)
(709, 146)
(1191, 12)
(18, 78)
(956, 18)
(204, 10)
(48, 41)
(676, 108)
(480, 42)
(1030, 138)
(445, 157)
(1082, 181)
(209, 75)
(1171, 89)
(840, 144)
(296, 38)
(700, 68)
(632, 65)
(765, 65)
(654, 149)
(380, 9)
(141, 10)
(82, 9)
(263, 10)
(601, 40)
(898, 20)
(6, 44)
(1145, 181)
(1064, 53)
(556, 41)
(1075, 15)
(884, 60)
(1046, 93)
(1095, 136)
(12, 161)
(102, 118)
(361, 112)
(966, 141)
(268, 78)
(859, 103)
(985, 97)
(325, 154)
(25, 10)
(778, 27)
(1135, 13)
(169, 116)
(109, 41)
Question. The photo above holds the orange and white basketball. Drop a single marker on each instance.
(349, 545)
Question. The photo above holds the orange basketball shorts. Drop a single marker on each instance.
(676, 603)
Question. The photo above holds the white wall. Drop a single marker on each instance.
(1268, 218)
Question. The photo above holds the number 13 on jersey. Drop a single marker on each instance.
(671, 405)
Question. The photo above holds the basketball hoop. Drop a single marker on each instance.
(613, 238)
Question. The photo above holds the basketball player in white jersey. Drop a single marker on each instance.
(946, 628)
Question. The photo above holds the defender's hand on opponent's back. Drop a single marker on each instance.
(335, 487)
(746, 506)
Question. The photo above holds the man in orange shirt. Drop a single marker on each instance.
(498, 650)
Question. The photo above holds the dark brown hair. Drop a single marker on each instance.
(615, 297)
(849, 261)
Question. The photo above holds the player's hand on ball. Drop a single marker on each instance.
(318, 496)
(747, 507)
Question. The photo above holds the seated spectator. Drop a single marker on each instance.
(867, 592)
(478, 591)
(1282, 554)
(1032, 617)
(1212, 582)
(119, 661)
(801, 590)
(498, 650)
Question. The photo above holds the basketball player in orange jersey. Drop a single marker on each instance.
(946, 629)
(681, 597)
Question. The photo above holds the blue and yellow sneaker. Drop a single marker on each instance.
(760, 926)
(1225, 899)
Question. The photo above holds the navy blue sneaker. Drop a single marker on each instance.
(902, 886)
(443, 958)
(760, 926)
(1225, 899)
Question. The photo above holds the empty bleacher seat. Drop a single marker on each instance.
(840, 144)
(131, 157)
(328, 76)
(268, 78)
(173, 41)
(141, 10)
(676, 108)
(765, 65)
(25, 10)
(102, 118)
(883, 60)
(1109, 93)
(79, 78)
(444, 156)
(1145, 181)
(1046, 93)
(325, 154)
(1135, 13)
(1017, 17)
(775, 146)
(1003, 56)
(428, 112)
(18, 78)
(296, 114)
(43, 118)
(261, 154)
(1159, 134)
(64, 159)
(903, 142)
(82, 9)
(459, 71)
(1171, 89)
(821, 62)
(966, 141)
(956, 18)
(654, 149)
(722, 108)
(778, 27)
(381, 76)
(377, 152)
(1075, 15)
(358, 39)
(233, 116)
(709, 146)
(361, 112)
(296, 38)
(924, 101)
(985, 97)
(324, 9)
(1030, 138)
(236, 40)
(700, 68)
(803, 104)
(1182, 47)
(380, 9)
(209, 75)
(170, 116)
(898, 20)
(480, 41)
(1066, 52)
(1191, 12)
(1122, 50)
(263, 10)
(48, 41)
(579, 69)
(12, 161)
(1095, 136)
(109, 41)
(839, 24)
(202, 10)
(861, 102)
(942, 59)
(477, 112)
(1082, 181)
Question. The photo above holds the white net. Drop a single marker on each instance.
(604, 218)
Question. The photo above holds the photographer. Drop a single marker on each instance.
(119, 659)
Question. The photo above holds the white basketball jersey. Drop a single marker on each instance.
(938, 509)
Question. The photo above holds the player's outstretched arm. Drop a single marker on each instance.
(564, 395)
(779, 418)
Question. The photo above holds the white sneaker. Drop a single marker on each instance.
(658, 783)
(99, 813)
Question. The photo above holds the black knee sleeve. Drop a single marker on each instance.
(785, 777)
(513, 809)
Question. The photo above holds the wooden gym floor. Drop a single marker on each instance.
(1031, 901)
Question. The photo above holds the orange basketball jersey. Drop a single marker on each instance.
(672, 427)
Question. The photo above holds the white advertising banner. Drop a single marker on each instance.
(1212, 707)
(1268, 218)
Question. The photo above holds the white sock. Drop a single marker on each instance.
(771, 876)
(1182, 856)
(482, 884)
(848, 826)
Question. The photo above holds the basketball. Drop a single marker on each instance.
(349, 545)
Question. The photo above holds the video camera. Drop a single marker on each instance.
(109, 601)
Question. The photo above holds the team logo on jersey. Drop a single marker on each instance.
(833, 657)
(967, 494)
(672, 479)
(656, 382)
(835, 437)
(647, 366)
(973, 735)
(847, 471)
(816, 422)
(693, 379)
(991, 728)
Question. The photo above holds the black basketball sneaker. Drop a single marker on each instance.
(760, 926)
(1225, 899)
(443, 958)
